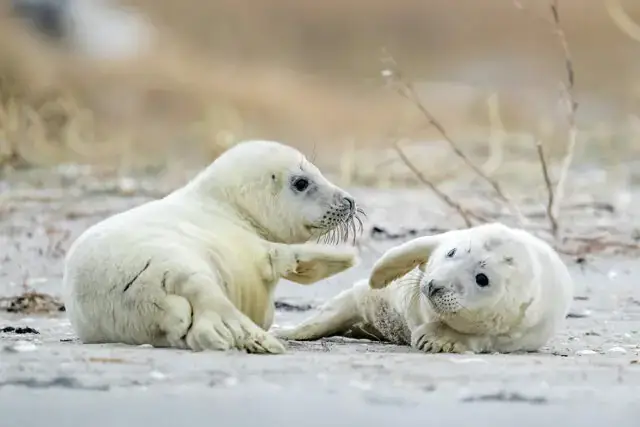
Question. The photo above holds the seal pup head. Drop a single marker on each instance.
(280, 193)
(474, 280)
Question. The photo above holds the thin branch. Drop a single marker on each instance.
(408, 91)
(572, 107)
(571, 104)
(431, 185)
(547, 181)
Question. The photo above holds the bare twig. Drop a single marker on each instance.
(407, 90)
(550, 194)
(431, 185)
(572, 107)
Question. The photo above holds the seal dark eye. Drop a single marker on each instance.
(451, 253)
(482, 280)
(301, 184)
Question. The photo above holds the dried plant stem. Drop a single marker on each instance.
(411, 94)
(463, 214)
(572, 107)
(550, 195)
(556, 196)
(564, 171)
(407, 90)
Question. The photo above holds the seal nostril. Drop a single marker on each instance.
(348, 201)
(433, 289)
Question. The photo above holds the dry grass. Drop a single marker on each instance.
(309, 74)
(56, 106)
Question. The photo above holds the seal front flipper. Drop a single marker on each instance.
(401, 259)
(310, 263)
(437, 337)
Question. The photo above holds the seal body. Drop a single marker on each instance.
(198, 268)
(491, 288)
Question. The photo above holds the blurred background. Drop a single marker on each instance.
(161, 84)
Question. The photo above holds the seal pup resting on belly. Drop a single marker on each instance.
(490, 288)
(198, 268)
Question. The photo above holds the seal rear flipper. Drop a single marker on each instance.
(335, 317)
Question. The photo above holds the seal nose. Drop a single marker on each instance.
(349, 201)
(433, 289)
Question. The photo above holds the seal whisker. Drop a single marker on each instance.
(352, 223)
(332, 236)
(344, 232)
(360, 224)
(337, 235)
(356, 225)
(415, 295)
(327, 237)
(346, 227)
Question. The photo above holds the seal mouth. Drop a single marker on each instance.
(443, 302)
(346, 230)
(312, 229)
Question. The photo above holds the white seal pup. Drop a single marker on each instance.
(490, 288)
(198, 268)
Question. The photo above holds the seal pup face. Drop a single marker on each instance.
(475, 279)
(283, 195)
(470, 273)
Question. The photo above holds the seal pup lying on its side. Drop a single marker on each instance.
(491, 288)
(198, 268)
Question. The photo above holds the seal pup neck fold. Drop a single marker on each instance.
(217, 202)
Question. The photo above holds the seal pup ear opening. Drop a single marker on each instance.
(398, 261)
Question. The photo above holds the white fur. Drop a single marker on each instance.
(198, 268)
(528, 297)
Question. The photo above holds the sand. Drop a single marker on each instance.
(590, 372)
